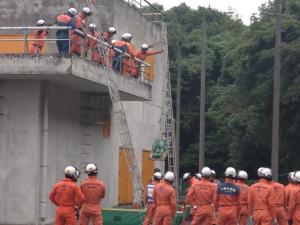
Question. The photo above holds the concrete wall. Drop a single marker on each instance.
(65, 143)
(19, 152)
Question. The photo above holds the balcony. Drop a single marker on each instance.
(67, 70)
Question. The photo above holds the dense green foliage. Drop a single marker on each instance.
(239, 87)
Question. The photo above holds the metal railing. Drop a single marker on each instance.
(132, 63)
(148, 10)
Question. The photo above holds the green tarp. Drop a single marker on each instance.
(129, 217)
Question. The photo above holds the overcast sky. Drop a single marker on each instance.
(243, 7)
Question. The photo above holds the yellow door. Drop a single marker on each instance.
(149, 74)
(125, 182)
(14, 43)
(147, 167)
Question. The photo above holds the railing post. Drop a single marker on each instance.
(25, 41)
(69, 40)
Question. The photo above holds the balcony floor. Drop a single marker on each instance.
(72, 72)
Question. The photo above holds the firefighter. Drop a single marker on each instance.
(77, 175)
(120, 48)
(289, 187)
(93, 190)
(212, 177)
(39, 36)
(279, 202)
(94, 46)
(190, 181)
(65, 19)
(260, 203)
(79, 22)
(67, 197)
(75, 179)
(294, 201)
(244, 188)
(107, 35)
(227, 202)
(202, 196)
(128, 60)
(198, 176)
(142, 54)
(148, 198)
(165, 200)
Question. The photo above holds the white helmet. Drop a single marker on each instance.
(206, 172)
(259, 170)
(242, 175)
(291, 175)
(296, 177)
(40, 23)
(91, 169)
(145, 46)
(157, 176)
(77, 174)
(186, 176)
(213, 173)
(70, 171)
(72, 11)
(198, 176)
(169, 176)
(266, 173)
(87, 11)
(230, 172)
(92, 26)
(127, 36)
(112, 30)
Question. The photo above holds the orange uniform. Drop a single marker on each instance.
(119, 58)
(66, 196)
(63, 45)
(164, 203)
(279, 202)
(228, 203)
(192, 181)
(107, 37)
(260, 203)
(93, 191)
(94, 46)
(141, 55)
(129, 62)
(38, 45)
(288, 188)
(202, 195)
(244, 188)
(215, 183)
(76, 38)
(294, 205)
(148, 198)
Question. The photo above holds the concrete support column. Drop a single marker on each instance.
(44, 154)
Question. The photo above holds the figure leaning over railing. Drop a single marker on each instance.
(63, 39)
(39, 36)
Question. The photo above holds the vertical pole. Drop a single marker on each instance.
(69, 41)
(276, 93)
(178, 94)
(44, 154)
(25, 41)
(202, 97)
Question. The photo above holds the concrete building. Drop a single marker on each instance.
(76, 93)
